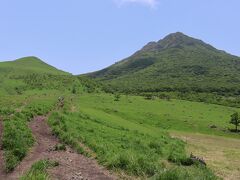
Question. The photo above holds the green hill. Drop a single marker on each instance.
(31, 73)
(18, 76)
(28, 65)
(177, 63)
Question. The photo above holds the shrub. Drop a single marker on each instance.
(117, 97)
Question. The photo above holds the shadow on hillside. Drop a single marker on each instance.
(234, 130)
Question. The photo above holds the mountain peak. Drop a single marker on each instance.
(176, 35)
(174, 40)
(177, 39)
(29, 59)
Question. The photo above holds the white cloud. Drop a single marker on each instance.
(150, 3)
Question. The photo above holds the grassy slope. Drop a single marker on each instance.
(188, 68)
(12, 73)
(30, 73)
(134, 125)
(169, 115)
(122, 134)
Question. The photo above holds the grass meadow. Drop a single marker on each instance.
(129, 136)
(161, 114)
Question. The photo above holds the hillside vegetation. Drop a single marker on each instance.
(179, 66)
(121, 133)
(31, 73)
(120, 136)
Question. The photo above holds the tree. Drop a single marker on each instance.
(235, 120)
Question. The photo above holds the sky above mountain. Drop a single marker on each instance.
(84, 36)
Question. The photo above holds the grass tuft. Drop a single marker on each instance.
(38, 170)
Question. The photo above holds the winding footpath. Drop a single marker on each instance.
(72, 166)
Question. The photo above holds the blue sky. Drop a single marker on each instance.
(81, 36)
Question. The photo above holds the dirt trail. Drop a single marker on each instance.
(72, 165)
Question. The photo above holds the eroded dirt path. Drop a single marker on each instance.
(72, 165)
